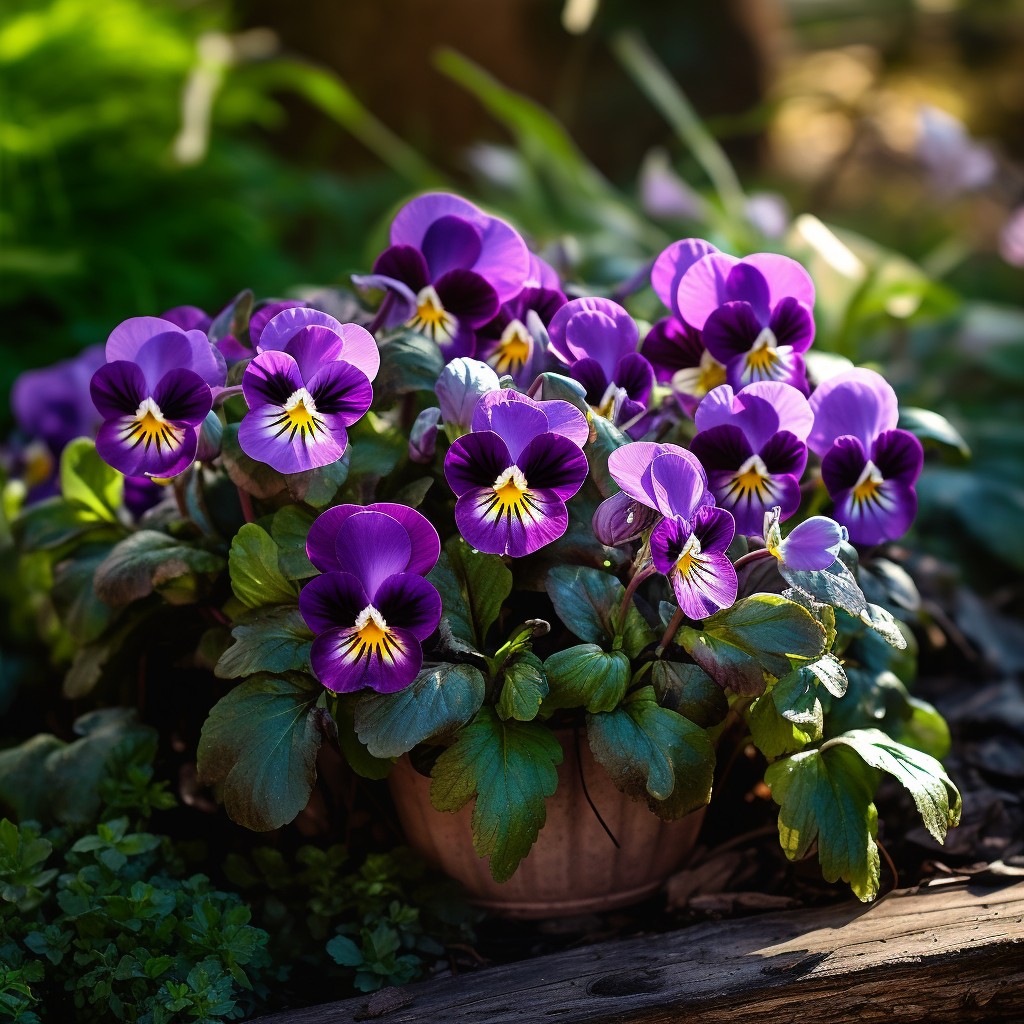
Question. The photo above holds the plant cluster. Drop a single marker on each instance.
(462, 510)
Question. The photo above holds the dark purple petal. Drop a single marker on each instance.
(721, 448)
(517, 420)
(792, 324)
(342, 391)
(467, 296)
(476, 460)
(785, 453)
(184, 396)
(289, 444)
(592, 376)
(517, 527)
(672, 263)
(332, 601)
(731, 330)
(843, 465)
(553, 463)
(188, 318)
(634, 374)
(595, 335)
(785, 277)
(313, 346)
(746, 283)
(450, 243)
(404, 263)
(265, 313)
(857, 402)
(813, 545)
(53, 402)
(426, 546)
(702, 289)
(132, 449)
(898, 454)
(620, 518)
(372, 546)
(409, 602)
(672, 345)
(668, 539)
(748, 493)
(270, 379)
(679, 484)
(118, 388)
(344, 663)
(715, 529)
(322, 540)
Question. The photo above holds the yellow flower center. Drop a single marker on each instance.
(513, 349)
(431, 318)
(690, 555)
(371, 638)
(869, 485)
(511, 497)
(698, 380)
(149, 427)
(762, 358)
(299, 416)
(751, 480)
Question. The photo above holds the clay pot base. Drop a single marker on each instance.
(573, 868)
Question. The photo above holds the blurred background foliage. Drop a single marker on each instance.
(163, 152)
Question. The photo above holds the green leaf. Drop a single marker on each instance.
(87, 481)
(689, 691)
(74, 596)
(360, 760)
(256, 577)
(257, 478)
(764, 631)
(605, 438)
(274, 639)
(934, 431)
(54, 522)
(885, 625)
(150, 561)
(473, 587)
(924, 730)
(510, 767)
(24, 783)
(259, 747)
(937, 799)
(289, 529)
(830, 673)
(345, 952)
(836, 586)
(586, 676)
(440, 700)
(524, 688)
(408, 362)
(319, 487)
(649, 751)
(775, 735)
(827, 796)
(796, 698)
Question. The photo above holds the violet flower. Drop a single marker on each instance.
(515, 342)
(308, 384)
(597, 339)
(754, 314)
(689, 544)
(811, 546)
(371, 609)
(449, 268)
(153, 394)
(676, 352)
(752, 446)
(868, 466)
(192, 318)
(514, 473)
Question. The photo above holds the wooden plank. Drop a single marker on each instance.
(951, 952)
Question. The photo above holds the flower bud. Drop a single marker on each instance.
(620, 518)
(461, 385)
(210, 434)
(423, 438)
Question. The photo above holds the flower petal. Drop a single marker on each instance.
(843, 464)
(784, 453)
(468, 296)
(343, 665)
(515, 420)
(746, 283)
(408, 601)
(702, 289)
(568, 350)
(671, 345)
(886, 516)
(715, 529)
(270, 379)
(635, 375)
(118, 388)
(342, 391)
(672, 263)
(287, 323)
(898, 454)
(476, 460)
(265, 313)
(785, 277)
(858, 402)
(792, 324)
(373, 546)
(450, 243)
(565, 419)
(360, 349)
(132, 452)
(679, 484)
(630, 467)
(332, 601)
(622, 518)
(404, 263)
(552, 462)
(487, 524)
(266, 435)
(813, 545)
(710, 586)
(731, 330)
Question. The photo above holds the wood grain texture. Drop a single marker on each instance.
(952, 952)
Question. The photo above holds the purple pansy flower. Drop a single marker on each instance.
(597, 339)
(811, 546)
(308, 384)
(752, 446)
(690, 542)
(679, 358)
(449, 268)
(515, 341)
(371, 609)
(192, 318)
(514, 473)
(754, 314)
(868, 466)
(153, 393)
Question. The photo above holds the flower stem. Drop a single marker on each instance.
(627, 597)
(752, 556)
(245, 499)
(670, 632)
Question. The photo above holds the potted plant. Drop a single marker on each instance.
(532, 557)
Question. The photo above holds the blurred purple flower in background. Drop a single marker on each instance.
(955, 163)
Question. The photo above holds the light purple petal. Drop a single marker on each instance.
(702, 289)
(360, 349)
(793, 411)
(128, 337)
(342, 391)
(552, 462)
(183, 396)
(120, 445)
(749, 504)
(499, 529)
(270, 379)
(312, 347)
(542, 275)
(265, 313)
(450, 243)
(373, 546)
(188, 318)
(858, 402)
(594, 335)
(679, 484)
(785, 277)
(517, 420)
(423, 436)
(266, 436)
(709, 586)
(408, 601)
(286, 324)
(461, 385)
(558, 328)
(188, 350)
(672, 263)
(630, 467)
(476, 460)
(343, 665)
(565, 419)
(332, 601)
(118, 388)
(813, 545)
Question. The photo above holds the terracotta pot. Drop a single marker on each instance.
(574, 867)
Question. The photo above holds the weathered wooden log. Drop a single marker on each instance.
(952, 952)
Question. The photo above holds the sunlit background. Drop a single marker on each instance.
(162, 152)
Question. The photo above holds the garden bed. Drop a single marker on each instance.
(949, 951)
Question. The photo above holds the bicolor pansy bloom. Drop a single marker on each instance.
(676, 352)
(868, 465)
(448, 270)
(752, 445)
(153, 393)
(811, 546)
(371, 609)
(597, 339)
(515, 342)
(514, 473)
(754, 314)
(689, 544)
(309, 382)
